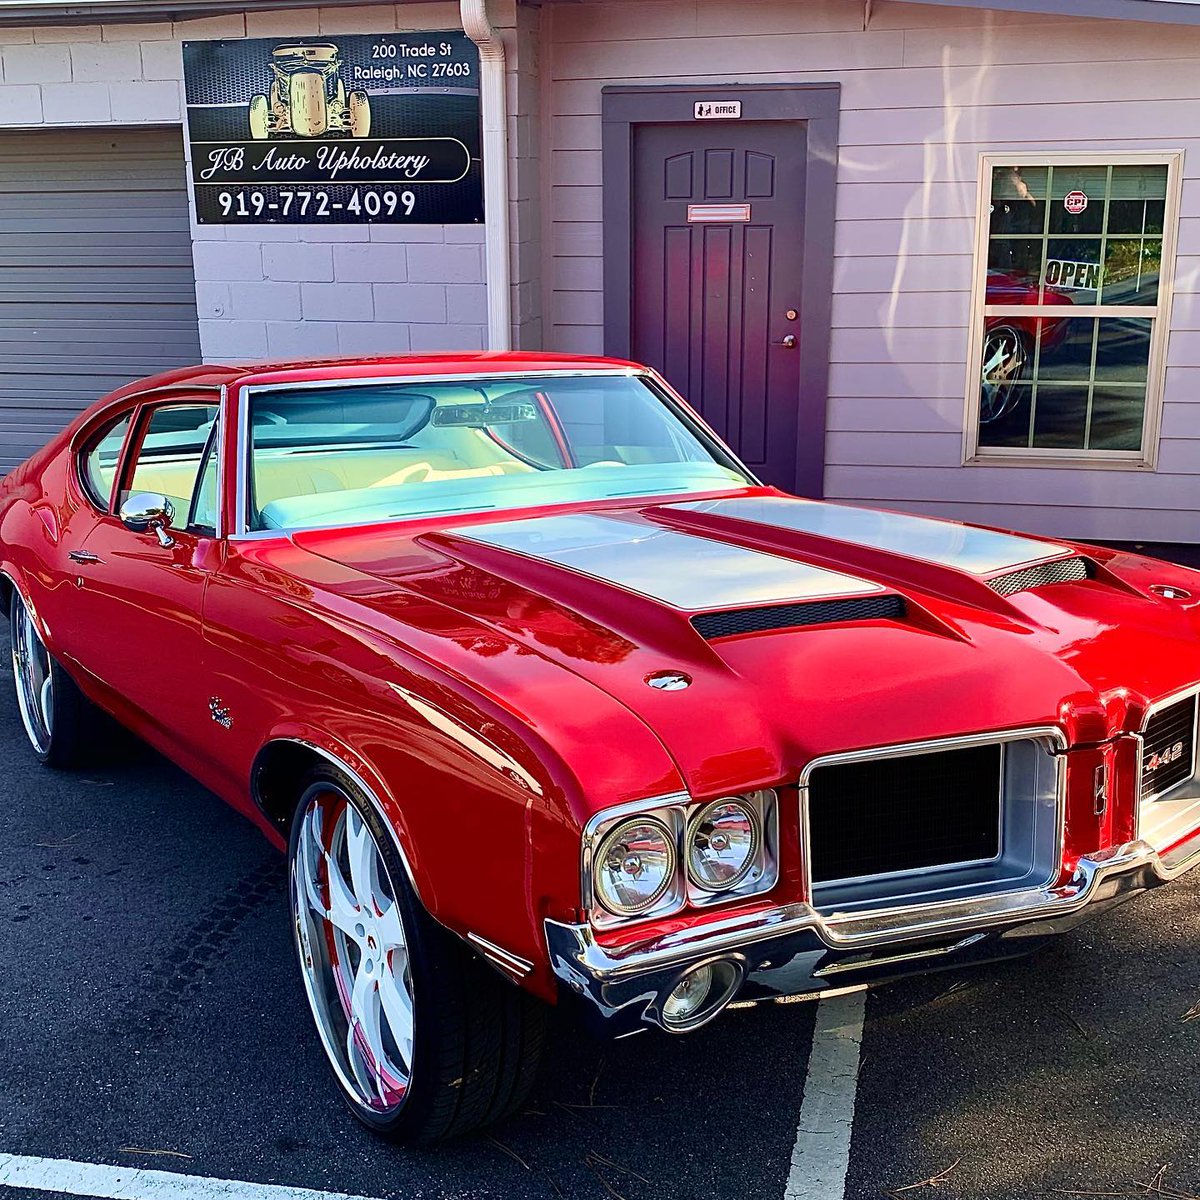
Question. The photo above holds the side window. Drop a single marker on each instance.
(168, 461)
(98, 464)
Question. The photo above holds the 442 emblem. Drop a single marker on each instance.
(1160, 758)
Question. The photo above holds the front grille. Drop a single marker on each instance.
(1169, 748)
(1063, 570)
(904, 814)
(788, 616)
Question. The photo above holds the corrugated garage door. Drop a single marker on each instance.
(96, 283)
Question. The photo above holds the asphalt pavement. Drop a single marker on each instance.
(150, 1016)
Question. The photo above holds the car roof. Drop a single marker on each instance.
(214, 376)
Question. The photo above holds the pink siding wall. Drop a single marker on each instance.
(925, 90)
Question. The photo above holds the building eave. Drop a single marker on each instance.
(1172, 12)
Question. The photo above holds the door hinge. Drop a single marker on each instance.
(220, 712)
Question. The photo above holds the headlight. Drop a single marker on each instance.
(634, 866)
(723, 844)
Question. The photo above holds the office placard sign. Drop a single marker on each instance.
(340, 130)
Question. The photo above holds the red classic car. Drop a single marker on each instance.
(549, 700)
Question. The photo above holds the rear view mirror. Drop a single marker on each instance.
(480, 416)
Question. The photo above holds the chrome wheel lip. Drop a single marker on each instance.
(358, 1003)
(34, 680)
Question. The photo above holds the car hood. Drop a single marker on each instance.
(785, 629)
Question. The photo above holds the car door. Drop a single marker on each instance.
(141, 592)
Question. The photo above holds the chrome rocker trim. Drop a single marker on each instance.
(795, 950)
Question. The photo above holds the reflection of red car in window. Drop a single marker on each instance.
(1008, 342)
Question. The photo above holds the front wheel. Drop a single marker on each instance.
(58, 719)
(425, 1041)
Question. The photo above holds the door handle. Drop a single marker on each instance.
(84, 556)
(788, 342)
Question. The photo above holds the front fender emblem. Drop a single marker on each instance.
(669, 681)
(220, 713)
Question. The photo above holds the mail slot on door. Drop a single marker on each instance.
(717, 213)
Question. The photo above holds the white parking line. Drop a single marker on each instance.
(131, 1183)
(821, 1155)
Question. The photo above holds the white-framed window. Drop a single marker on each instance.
(1070, 308)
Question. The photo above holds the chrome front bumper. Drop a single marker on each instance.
(794, 950)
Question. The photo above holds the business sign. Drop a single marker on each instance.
(1063, 273)
(718, 110)
(346, 130)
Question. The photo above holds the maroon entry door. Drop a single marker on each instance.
(718, 225)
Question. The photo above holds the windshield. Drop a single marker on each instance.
(351, 454)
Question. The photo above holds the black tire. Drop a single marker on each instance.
(68, 738)
(476, 1038)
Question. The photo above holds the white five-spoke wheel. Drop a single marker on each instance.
(424, 1039)
(353, 952)
(58, 720)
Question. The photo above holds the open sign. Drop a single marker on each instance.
(1062, 273)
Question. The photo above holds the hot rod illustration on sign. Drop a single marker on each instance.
(550, 701)
(308, 97)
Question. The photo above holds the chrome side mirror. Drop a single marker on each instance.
(146, 512)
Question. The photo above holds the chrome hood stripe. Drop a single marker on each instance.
(976, 551)
(686, 571)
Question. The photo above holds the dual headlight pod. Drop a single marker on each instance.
(650, 863)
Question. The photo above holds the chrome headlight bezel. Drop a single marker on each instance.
(678, 815)
(763, 872)
(695, 831)
(667, 811)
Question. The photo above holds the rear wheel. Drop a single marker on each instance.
(59, 721)
(425, 1041)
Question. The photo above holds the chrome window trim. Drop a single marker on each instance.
(241, 530)
(1042, 733)
(1151, 712)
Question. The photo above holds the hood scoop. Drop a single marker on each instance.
(731, 622)
(1063, 570)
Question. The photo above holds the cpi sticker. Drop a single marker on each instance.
(1075, 202)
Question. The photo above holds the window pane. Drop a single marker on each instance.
(1014, 271)
(101, 461)
(1018, 195)
(1060, 416)
(169, 459)
(1131, 269)
(1090, 182)
(1137, 200)
(1117, 415)
(1006, 415)
(1073, 269)
(1065, 353)
(1123, 350)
